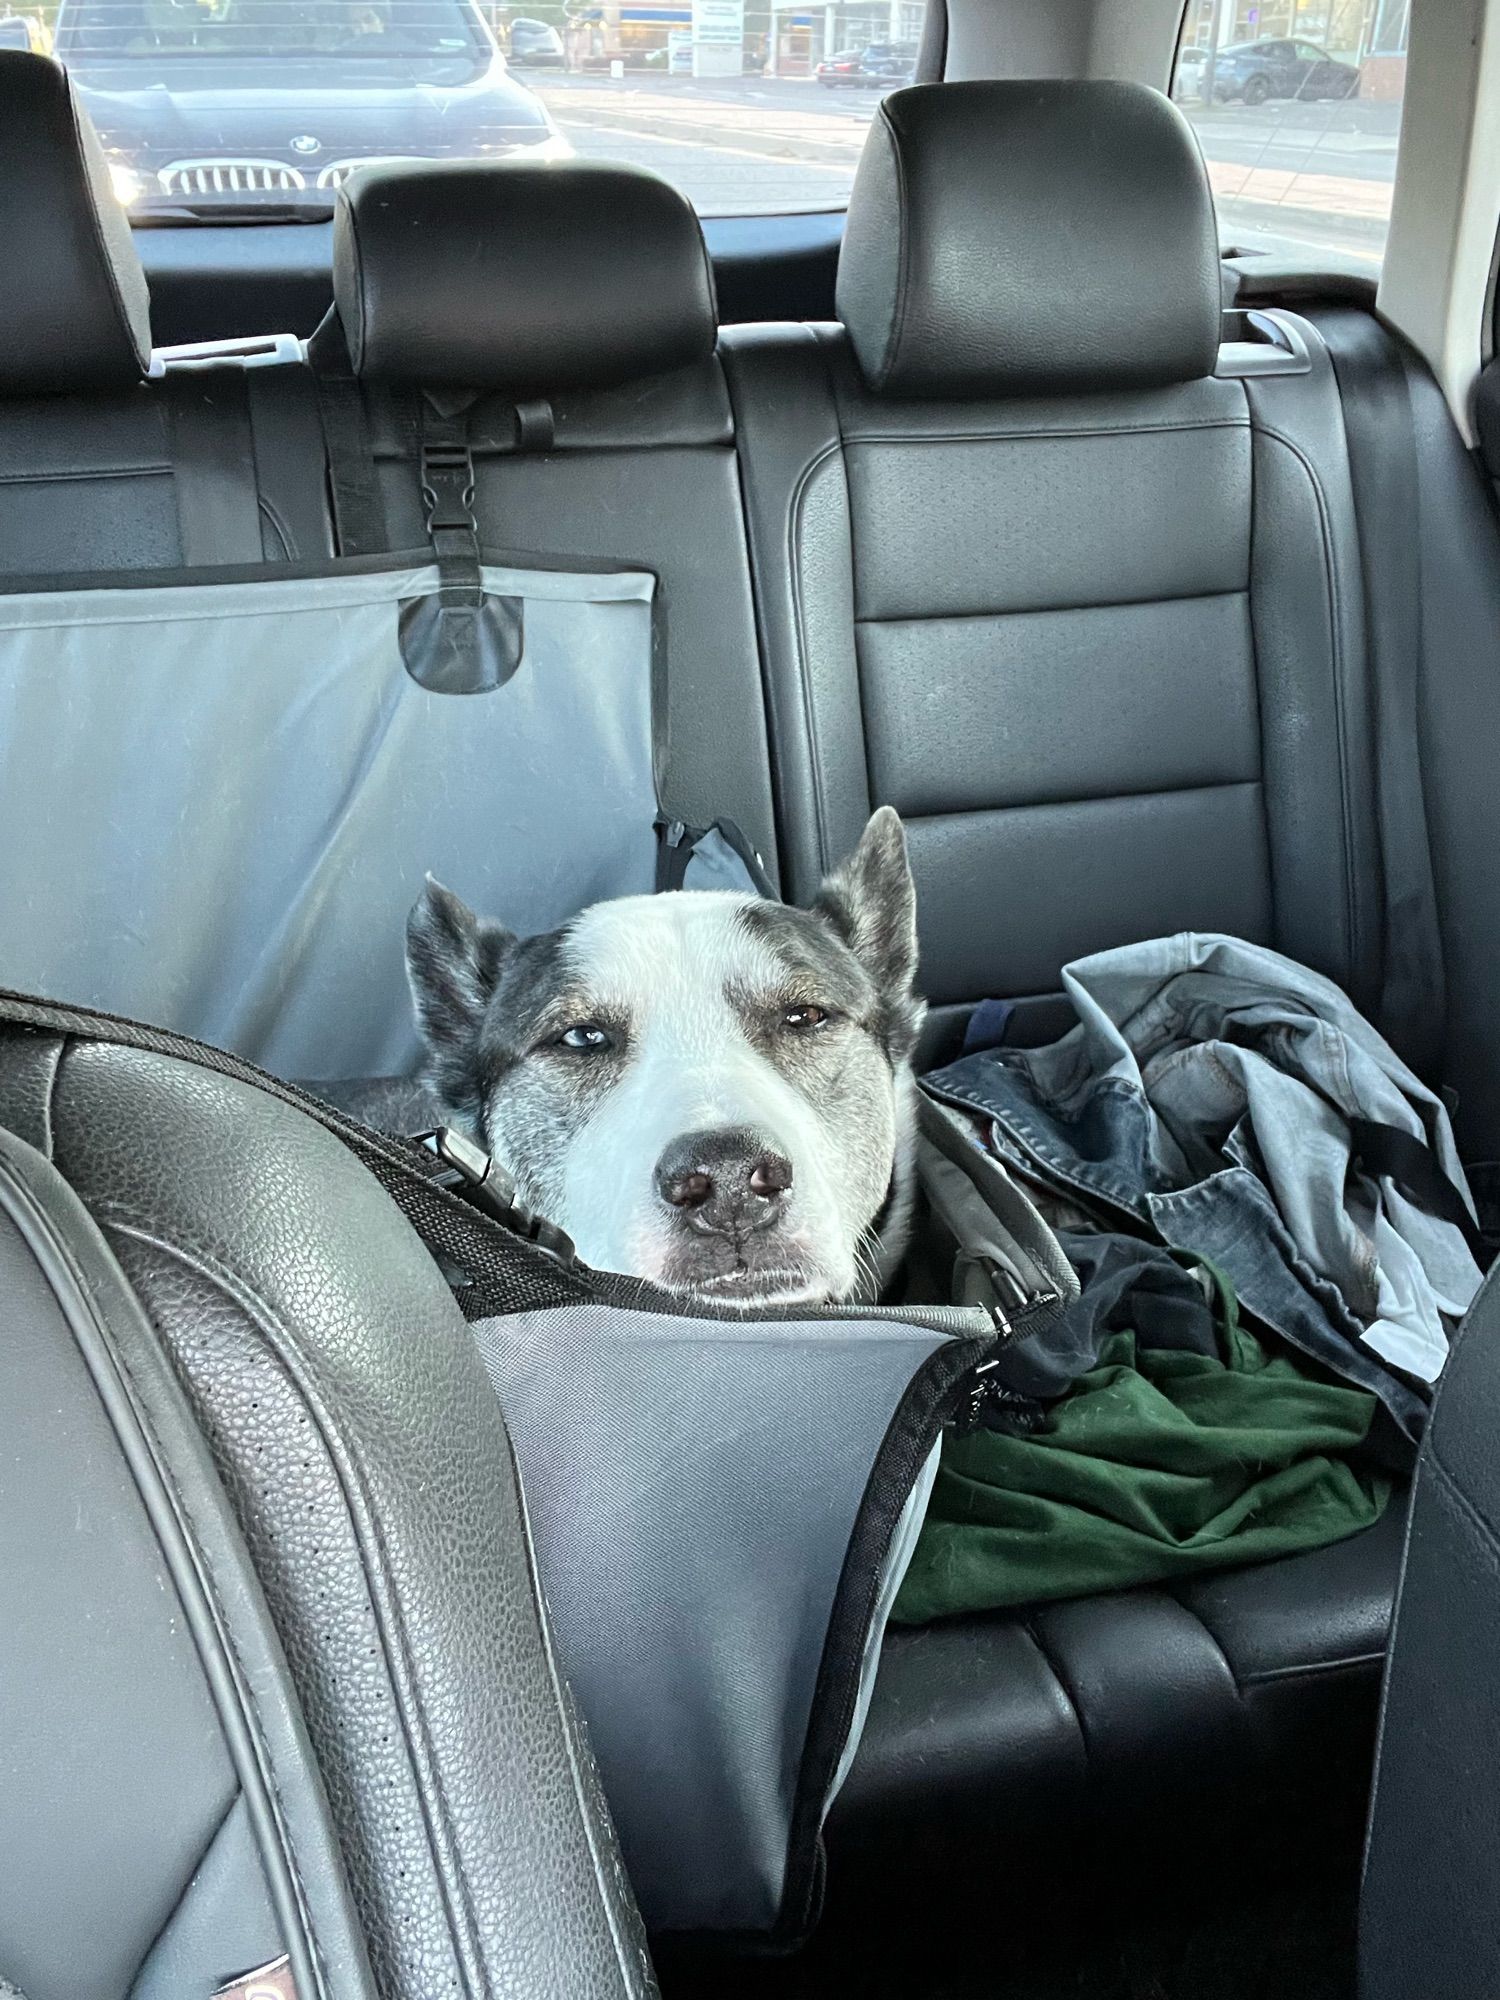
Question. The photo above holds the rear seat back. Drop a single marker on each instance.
(1085, 611)
(583, 298)
(104, 466)
(258, 899)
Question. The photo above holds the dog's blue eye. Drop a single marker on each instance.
(586, 1035)
(799, 1019)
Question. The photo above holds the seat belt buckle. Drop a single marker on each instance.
(448, 487)
(483, 1182)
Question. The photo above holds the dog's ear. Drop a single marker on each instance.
(871, 901)
(453, 961)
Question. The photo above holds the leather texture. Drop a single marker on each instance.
(1029, 237)
(508, 274)
(364, 1455)
(1029, 1748)
(137, 479)
(81, 318)
(1460, 736)
(162, 1818)
(1103, 650)
(1430, 1903)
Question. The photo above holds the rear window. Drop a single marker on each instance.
(1298, 110)
(228, 110)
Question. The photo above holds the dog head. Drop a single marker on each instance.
(704, 1089)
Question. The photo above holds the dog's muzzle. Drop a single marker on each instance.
(732, 1183)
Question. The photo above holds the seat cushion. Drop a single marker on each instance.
(996, 1744)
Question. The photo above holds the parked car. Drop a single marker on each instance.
(1256, 71)
(272, 104)
(24, 31)
(535, 45)
(880, 64)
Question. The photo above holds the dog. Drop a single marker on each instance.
(703, 1089)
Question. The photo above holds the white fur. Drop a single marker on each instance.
(666, 961)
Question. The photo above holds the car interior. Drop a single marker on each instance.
(1105, 586)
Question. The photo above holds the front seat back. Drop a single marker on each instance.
(1430, 1901)
(275, 1677)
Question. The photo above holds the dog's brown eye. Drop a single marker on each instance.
(800, 1019)
(585, 1036)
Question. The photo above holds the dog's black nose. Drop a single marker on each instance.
(727, 1182)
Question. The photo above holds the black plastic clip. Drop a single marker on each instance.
(482, 1181)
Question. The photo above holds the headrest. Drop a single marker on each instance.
(1016, 238)
(74, 313)
(532, 276)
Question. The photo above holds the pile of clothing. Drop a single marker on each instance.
(1275, 1240)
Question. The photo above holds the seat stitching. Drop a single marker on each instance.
(1333, 593)
(1082, 799)
(280, 1345)
(1049, 434)
(1056, 610)
(57, 476)
(1477, 1516)
(1312, 1669)
(903, 250)
(809, 705)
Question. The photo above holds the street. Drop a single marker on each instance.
(1291, 178)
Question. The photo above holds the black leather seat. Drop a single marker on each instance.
(1074, 584)
(207, 459)
(275, 1678)
(1430, 1900)
(1035, 558)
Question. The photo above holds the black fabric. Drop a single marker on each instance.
(1386, 1151)
(73, 309)
(1127, 1284)
(353, 488)
(1378, 423)
(508, 274)
(1024, 237)
(213, 459)
(291, 469)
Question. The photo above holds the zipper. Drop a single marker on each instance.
(983, 1401)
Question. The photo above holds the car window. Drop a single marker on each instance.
(1302, 160)
(237, 109)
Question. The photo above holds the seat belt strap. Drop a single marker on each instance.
(1386, 1152)
(448, 495)
(353, 489)
(1371, 373)
(213, 464)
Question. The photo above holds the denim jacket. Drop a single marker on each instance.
(1207, 1093)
